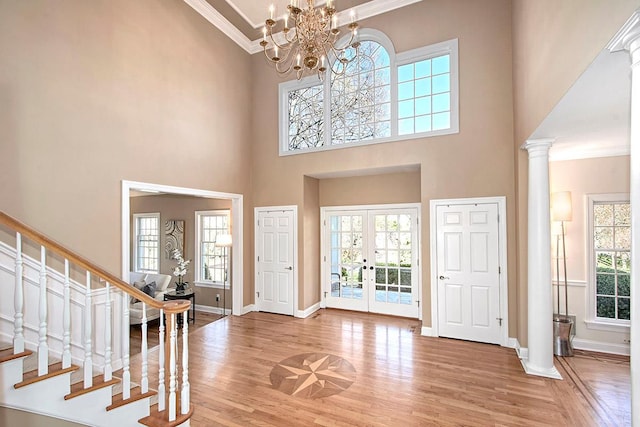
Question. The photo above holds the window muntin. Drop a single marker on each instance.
(146, 250)
(611, 242)
(424, 95)
(360, 98)
(212, 264)
(369, 103)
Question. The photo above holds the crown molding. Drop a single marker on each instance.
(220, 22)
(561, 152)
(629, 31)
(364, 11)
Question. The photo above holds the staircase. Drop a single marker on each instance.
(64, 345)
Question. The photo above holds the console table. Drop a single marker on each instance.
(187, 294)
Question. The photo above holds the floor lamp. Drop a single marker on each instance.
(561, 212)
(224, 241)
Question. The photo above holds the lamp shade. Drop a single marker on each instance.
(223, 240)
(561, 206)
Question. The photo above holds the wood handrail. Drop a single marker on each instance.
(170, 307)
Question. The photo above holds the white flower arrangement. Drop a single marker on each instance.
(181, 269)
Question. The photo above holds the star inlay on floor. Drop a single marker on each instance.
(313, 375)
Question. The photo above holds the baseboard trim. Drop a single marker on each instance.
(426, 331)
(212, 310)
(249, 308)
(537, 371)
(602, 347)
(513, 343)
(309, 311)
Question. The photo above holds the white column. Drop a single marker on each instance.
(540, 296)
(628, 38)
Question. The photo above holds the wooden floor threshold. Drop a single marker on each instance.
(98, 383)
(56, 369)
(7, 355)
(136, 394)
(161, 419)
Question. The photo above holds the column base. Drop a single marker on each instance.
(531, 369)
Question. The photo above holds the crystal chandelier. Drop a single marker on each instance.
(309, 45)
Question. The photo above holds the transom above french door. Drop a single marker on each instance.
(370, 259)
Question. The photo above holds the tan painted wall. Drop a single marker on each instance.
(95, 92)
(184, 208)
(553, 44)
(310, 243)
(583, 177)
(371, 189)
(476, 162)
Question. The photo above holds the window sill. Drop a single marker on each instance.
(607, 326)
(209, 285)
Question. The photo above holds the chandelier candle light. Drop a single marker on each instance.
(309, 44)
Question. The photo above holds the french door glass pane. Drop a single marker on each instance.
(346, 256)
(393, 258)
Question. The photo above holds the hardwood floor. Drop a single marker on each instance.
(401, 378)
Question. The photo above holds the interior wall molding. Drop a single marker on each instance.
(363, 11)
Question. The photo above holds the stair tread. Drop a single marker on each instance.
(77, 389)
(161, 419)
(136, 394)
(7, 354)
(55, 369)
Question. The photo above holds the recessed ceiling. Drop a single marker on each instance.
(242, 20)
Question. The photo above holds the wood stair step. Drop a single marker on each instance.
(136, 394)
(7, 354)
(78, 389)
(161, 419)
(55, 369)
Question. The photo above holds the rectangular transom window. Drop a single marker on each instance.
(380, 97)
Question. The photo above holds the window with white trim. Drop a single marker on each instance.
(381, 97)
(609, 222)
(146, 250)
(211, 262)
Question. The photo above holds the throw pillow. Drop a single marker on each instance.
(139, 285)
(150, 289)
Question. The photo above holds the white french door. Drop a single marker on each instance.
(370, 260)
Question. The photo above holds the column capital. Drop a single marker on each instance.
(538, 144)
(629, 33)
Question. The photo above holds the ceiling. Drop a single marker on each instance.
(591, 120)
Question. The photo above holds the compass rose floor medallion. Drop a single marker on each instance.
(313, 375)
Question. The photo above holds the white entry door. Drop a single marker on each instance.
(371, 260)
(468, 272)
(275, 261)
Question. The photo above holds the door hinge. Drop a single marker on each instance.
(258, 258)
(325, 258)
(324, 222)
(418, 301)
(258, 223)
(499, 319)
(499, 270)
(258, 295)
(325, 294)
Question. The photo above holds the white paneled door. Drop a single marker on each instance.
(275, 261)
(468, 272)
(371, 260)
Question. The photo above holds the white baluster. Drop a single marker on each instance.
(172, 368)
(18, 301)
(161, 386)
(144, 382)
(88, 360)
(126, 373)
(66, 319)
(108, 374)
(43, 348)
(184, 396)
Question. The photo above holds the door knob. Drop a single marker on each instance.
(444, 278)
(288, 268)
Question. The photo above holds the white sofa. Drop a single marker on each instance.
(135, 308)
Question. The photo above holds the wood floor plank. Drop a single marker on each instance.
(402, 378)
